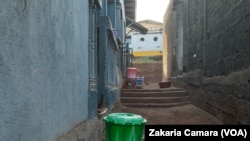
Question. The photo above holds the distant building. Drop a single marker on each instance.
(149, 44)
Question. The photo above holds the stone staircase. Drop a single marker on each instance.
(154, 97)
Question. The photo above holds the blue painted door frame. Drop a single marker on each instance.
(93, 60)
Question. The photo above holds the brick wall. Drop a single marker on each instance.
(216, 55)
(195, 34)
(218, 36)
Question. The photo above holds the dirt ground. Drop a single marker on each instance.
(185, 114)
(179, 115)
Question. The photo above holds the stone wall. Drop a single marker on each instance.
(226, 97)
(216, 57)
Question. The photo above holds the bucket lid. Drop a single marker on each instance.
(125, 119)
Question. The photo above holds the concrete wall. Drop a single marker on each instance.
(121, 20)
(43, 73)
(112, 13)
(216, 56)
(175, 38)
(91, 130)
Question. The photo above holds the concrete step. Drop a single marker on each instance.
(154, 99)
(155, 105)
(179, 93)
(152, 90)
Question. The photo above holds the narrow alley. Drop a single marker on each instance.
(175, 114)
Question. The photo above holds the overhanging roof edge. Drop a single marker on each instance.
(136, 26)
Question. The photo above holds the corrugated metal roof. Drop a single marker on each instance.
(135, 26)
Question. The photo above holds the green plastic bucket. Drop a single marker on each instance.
(124, 127)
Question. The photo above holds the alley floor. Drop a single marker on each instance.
(185, 114)
(178, 115)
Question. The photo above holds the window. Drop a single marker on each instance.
(142, 39)
(155, 39)
(128, 39)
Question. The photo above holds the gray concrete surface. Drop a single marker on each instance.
(43, 73)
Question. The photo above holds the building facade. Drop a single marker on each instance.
(60, 63)
(149, 44)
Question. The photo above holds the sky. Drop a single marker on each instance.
(151, 10)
